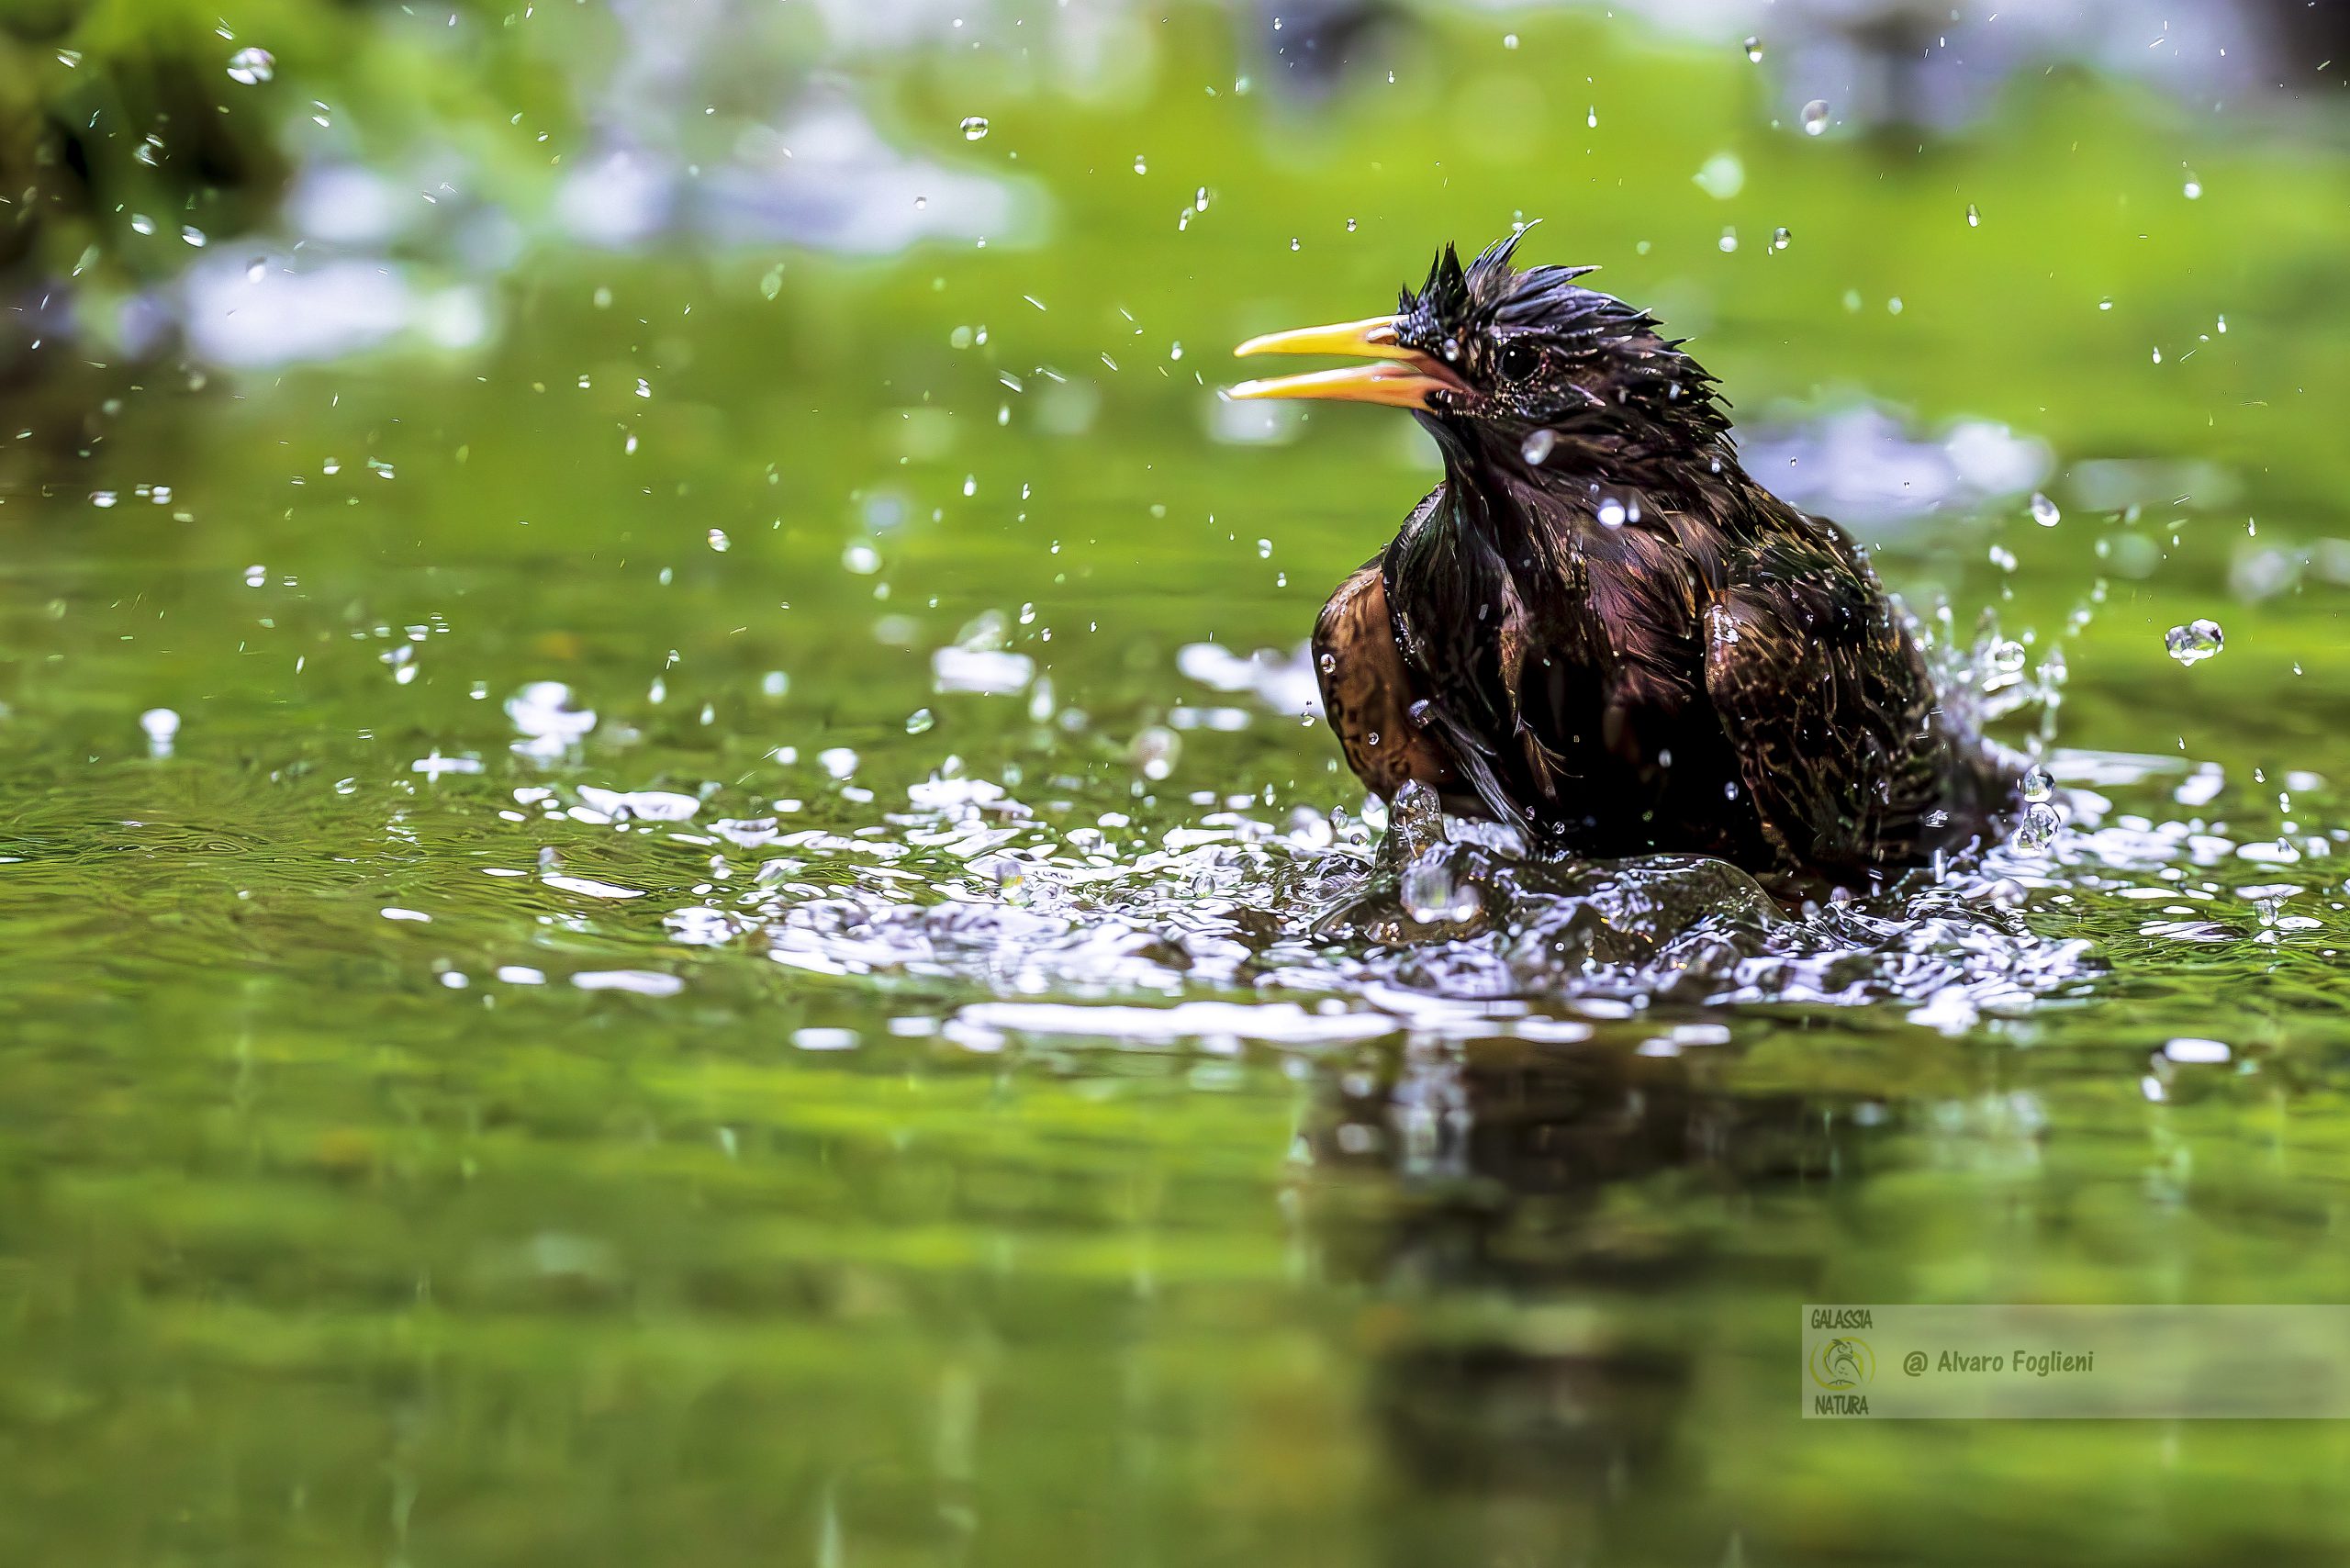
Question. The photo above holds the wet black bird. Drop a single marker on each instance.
(1599, 628)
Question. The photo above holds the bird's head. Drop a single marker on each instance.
(1490, 357)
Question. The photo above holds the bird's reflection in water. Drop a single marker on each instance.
(1553, 1240)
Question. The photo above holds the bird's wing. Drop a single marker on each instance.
(1827, 702)
(1450, 599)
(1544, 672)
(1611, 627)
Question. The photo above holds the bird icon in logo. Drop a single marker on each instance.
(1843, 1362)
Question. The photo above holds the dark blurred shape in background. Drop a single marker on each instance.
(375, 164)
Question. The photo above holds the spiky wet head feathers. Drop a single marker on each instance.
(1538, 351)
(1461, 300)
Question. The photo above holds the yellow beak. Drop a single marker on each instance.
(1402, 378)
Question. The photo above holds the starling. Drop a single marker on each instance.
(1599, 628)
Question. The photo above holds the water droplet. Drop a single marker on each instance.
(771, 282)
(1591, 119)
(2003, 559)
(161, 724)
(1974, 218)
(1611, 513)
(862, 559)
(2193, 189)
(1722, 177)
(920, 720)
(1141, 167)
(2039, 826)
(1431, 892)
(1264, 549)
(1509, 41)
(255, 268)
(2043, 510)
(1536, 448)
(1815, 117)
(2195, 641)
(102, 499)
(717, 540)
(1292, 243)
(1200, 199)
(1350, 229)
(1754, 51)
(252, 66)
(2039, 784)
(1779, 239)
(2004, 658)
(970, 486)
(975, 127)
(1156, 751)
(2158, 356)
(1729, 241)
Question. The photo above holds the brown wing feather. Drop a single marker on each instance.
(1829, 706)
(1367, 692)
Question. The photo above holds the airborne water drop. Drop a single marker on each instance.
(252, 66)
(2195, 641)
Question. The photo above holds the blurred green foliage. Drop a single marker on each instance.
(122, 128)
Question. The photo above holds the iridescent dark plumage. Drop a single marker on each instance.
(1600, 628)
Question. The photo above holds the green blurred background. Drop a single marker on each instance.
(412, 1153)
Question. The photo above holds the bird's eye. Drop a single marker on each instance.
(1519, 359)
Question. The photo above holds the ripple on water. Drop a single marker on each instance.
(1236, 920)
(1234, 927)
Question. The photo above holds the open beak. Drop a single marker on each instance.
(1401, 378)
